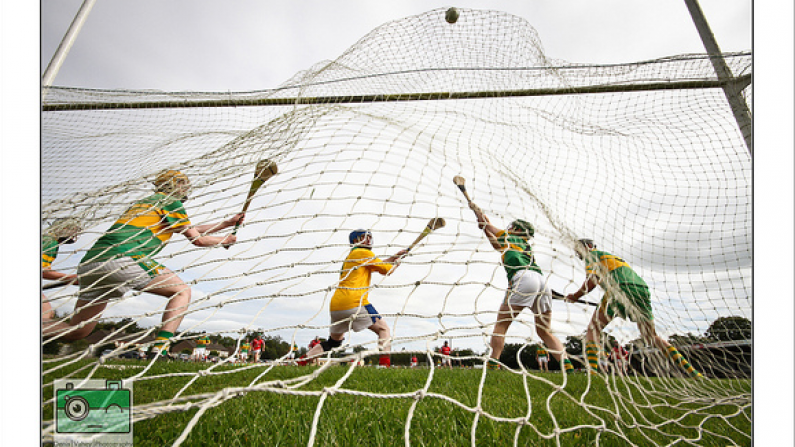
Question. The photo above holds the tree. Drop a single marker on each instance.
(730, 328)
(511, 356)
(686, 340)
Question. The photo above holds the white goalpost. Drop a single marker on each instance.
(646, 159)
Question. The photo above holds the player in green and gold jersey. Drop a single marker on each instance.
(122, 259)
(626, 296)
(527, 287)
(62, 231)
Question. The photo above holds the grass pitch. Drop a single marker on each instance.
(374, 407)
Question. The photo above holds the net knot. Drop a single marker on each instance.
(330, 391)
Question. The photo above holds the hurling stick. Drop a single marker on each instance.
(559, 296)
(461, 183)
(55, 284)
(433, 224)
(264, 171)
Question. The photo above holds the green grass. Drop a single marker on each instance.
(623, 412)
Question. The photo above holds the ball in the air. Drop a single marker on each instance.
(451, 15)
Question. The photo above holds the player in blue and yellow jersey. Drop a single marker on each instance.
(350, 307)
(62, 231)
(626, 295)
(527, 286)
(122, 259)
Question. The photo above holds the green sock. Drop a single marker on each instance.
(161, 342)
(592, 354)
(680, 360)
(567, 365)
(493, 364)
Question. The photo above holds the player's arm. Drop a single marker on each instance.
(590, 283)
(54, 275)
(388, 265)
(199, 235)
(212, 228)
(488, 228)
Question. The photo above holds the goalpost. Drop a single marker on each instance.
(644, 158)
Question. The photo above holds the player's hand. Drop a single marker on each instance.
(71, 279)
(570, 298)
(401, 253)
(237, 219)
(229, 239)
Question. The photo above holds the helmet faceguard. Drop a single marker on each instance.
(65, 230)
(523, 226)
(584, 246)
(173, 184)
(361, 238)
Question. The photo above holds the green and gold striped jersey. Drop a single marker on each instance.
(517, 254)
(49, 251)
(602, 263)
(142, 231)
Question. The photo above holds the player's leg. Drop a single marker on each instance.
(46, 308)
(505, 317)
(533, 285)
(82, 323)
(384, 335)
(100, 282)
(649, 334)
(543, 321)
(593, 336)
(521, 294)
(168, 284)
(379, 326)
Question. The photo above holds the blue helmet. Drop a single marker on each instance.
(356, 234)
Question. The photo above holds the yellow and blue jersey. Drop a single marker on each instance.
(354, 285)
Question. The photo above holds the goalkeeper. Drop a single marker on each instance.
(350, 308)
(527, 286)
(121, 260)
(626, 296)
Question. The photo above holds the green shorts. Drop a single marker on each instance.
(634, 304)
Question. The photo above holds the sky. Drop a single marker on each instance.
(190, 46)
(208, 46)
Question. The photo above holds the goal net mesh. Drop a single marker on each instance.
(644, 158)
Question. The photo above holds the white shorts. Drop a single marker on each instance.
(356, 319)
(105, 280)
(529, 289)
(542, 359)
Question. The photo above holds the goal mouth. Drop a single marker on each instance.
(644, 158)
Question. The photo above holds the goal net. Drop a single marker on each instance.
(644, 158)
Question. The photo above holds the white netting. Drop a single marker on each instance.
(660, 176)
